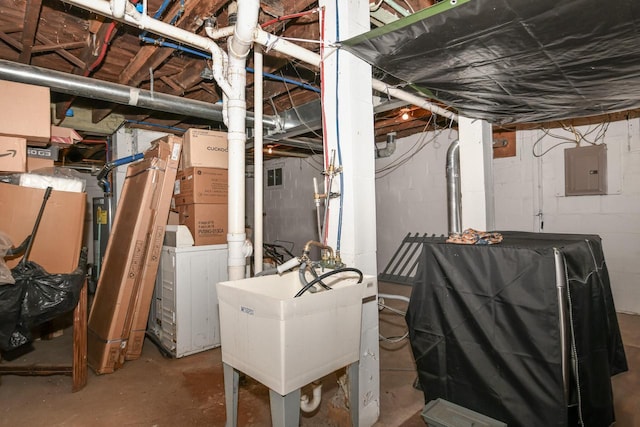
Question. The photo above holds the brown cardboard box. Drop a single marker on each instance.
(207, 222)
(13, 154)
(142, 303)
(25, 111)
(35, 163)
(132, 255)
(64, 136)
(121, 267)
(58, 240)
(205, 148)
(201, 185)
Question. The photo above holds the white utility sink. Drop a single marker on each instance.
(286, 342)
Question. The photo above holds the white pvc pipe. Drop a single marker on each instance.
(413, 99)
(118, 7)
(239, 45)
(276, 43)
(257, 160)
(310, 406)
(219, 33)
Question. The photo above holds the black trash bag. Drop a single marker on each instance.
(11, 296)
(44, 297)
(47, 296)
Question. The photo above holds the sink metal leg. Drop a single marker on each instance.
(285, 410)
(353, 372)
(231, 384)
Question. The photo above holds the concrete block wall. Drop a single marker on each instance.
(528, 194)
(289, 210)
(411, 191)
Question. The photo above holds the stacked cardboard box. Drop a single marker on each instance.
(201, 188)
(118, 317)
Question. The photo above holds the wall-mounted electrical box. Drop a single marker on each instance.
(585, 170)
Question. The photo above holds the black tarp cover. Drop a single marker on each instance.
(515, 61)
(483, 324)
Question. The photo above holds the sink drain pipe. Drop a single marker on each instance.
(307, 405)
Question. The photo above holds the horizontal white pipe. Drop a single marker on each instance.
(219, 33)
(396, 297)
(413, 99)
(276, 43)
(270, 41)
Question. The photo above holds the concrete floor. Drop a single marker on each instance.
(156, 391)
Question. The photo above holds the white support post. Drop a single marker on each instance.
(348, 109)
(476, 174)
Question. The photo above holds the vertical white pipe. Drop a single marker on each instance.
(257, 159)
(239, 46)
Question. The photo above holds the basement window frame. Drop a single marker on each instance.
(275, 177)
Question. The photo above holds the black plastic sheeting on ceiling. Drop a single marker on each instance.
(515, 61)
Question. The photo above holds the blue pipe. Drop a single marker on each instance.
(208, 56)
(102, 175)
(286, 80)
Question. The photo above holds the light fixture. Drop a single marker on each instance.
(270, 149)
(405, 116)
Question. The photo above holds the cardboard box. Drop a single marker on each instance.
(205, 148)
(13, 154)
(25, 111)
(132, 255)
(35, 163)
(64, 136)
(201, 185)
(63, 216)
(206, 222)
(142, 303)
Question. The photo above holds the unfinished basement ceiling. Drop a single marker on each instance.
(53, 35)
(514, 61)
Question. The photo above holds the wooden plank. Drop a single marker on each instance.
(63, 53)
(30, 26)
(10, 41)
(79, 375)
(64, 46)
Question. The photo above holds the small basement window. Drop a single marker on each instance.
(274, 177)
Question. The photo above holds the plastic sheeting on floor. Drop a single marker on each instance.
(485, 331)
(514, 61)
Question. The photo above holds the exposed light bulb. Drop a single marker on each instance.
(270, 150)
(405, 116)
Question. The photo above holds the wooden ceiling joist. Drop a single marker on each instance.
(30, 27)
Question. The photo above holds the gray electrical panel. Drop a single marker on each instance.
(585, 170)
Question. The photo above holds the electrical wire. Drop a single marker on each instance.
(422, 141)
(394, 340)
(337, 112)
(578, 137)
(391, 309)
(328, 274)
